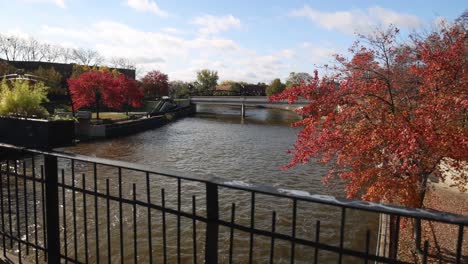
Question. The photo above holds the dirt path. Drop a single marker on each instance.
(442, 238)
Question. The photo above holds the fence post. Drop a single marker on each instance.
(212, 228)
(52, 209)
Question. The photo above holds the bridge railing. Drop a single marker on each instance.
(61, 207)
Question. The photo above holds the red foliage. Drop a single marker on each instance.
(129, 90)
(94, 87)
(388, 116)
(155, 83)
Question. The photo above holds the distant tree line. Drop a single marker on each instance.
(14, 48)
(206, 84)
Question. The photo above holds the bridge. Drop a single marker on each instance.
(244, 101)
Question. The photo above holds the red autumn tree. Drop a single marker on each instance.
(129, 90)
(95, 88)
(155, 84)
(390, 116)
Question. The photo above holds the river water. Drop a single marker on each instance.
(216, 141)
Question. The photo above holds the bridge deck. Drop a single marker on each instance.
(242, 100)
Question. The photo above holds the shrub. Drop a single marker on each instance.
(23, 99)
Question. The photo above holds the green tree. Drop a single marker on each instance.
(206, 81)
(276, 86)
(20, 98)
(179, 89)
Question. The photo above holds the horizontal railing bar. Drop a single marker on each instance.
(310, 243)
(268, 190)
(236, 226)
(70, 259)
(138, 202)
(37, 247)
(15, 238)
(239, 227)
(29, 178)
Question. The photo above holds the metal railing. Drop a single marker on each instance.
(68, 208)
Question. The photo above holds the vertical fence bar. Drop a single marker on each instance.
(108, 222)
(231, 233)
(53, 235)
(75, 233)
(459, 243)
(18, 225)
(135, 252)
(273, 230)
(64, 212)
(96, 216)
(212, 228)
(150, 236)
(121, 218)
(367, 246)
(36, 239)
(425, 251)
(342, 227)
(44, 221)
(9, 204)
(194, 229)
(26, 207)
(252, 225)
(163, 213)
(178, 219)
(293, 243)
(317, 240)
(85, 218)
(1, 207)
(394, 236)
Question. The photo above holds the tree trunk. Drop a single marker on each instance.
(71, 101)
(417, 228)
(97, 105)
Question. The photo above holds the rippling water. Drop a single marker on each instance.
(214, 142)
(217, 142)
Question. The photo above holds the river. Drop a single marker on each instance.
(216, 141)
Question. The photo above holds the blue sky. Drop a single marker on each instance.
(243, 40)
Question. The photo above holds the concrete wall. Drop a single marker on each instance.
(129, 127)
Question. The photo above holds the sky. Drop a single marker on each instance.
(253, 40)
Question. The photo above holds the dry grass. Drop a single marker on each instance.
(110, 115)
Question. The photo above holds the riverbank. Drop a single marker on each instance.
(87, 131)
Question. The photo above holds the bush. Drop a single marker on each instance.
(20, 98)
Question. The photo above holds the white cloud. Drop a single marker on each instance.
(358, 20)
(210, 24)
(182, 56)
(171, 30)
(147, 6)
(59, 3)
(288, 53)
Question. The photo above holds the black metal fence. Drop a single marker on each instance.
(67, 208)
